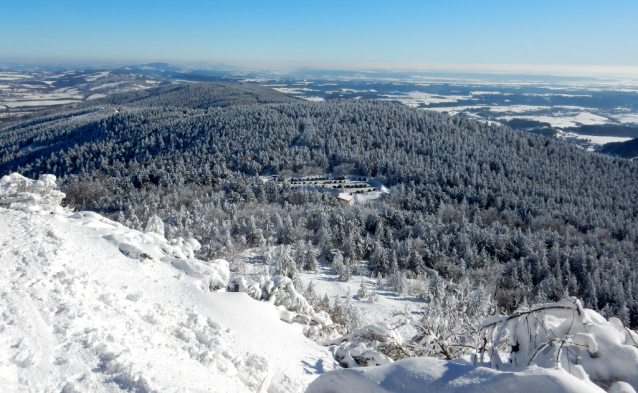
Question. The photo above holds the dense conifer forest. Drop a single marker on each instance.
(526, 217)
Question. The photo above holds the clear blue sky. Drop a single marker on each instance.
(323, 33)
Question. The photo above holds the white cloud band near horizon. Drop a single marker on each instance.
(530, 69)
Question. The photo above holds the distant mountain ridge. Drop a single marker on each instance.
(197, 96)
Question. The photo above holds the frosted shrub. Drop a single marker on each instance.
(371, 345)
(20, 193)
(563, 335)
(155, 225)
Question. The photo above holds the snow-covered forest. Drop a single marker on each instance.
(528, 218)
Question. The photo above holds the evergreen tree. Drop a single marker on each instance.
(338, 266)
(363, 290)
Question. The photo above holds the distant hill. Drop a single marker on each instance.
(607, 130)
(526, 123)
(628, 149)
(197, 96)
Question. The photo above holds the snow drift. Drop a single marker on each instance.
(435, 375)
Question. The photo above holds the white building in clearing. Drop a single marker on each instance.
(345, 198)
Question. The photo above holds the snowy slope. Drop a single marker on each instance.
(78, 315)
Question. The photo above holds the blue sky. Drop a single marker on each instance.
(349, 34)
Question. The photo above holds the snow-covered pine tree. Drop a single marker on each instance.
(283, 262)
(306, 256)
(337, 263)
(363, 290)
(380, 281)
(324, 235)
(310, 294)
(254, 235)
(324, 305)
(351, 317)
(402, 284)
(394, 277)
(346, 272)
(373, 297)
(337, 312)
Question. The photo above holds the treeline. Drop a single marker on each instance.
(530, 218)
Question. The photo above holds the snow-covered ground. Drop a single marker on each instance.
(88, 305)
(416, 98)
(78, 315)
(597, 140)
(433, 375)
(564, 121)
(17, 104)
(9, 76)
(627, 118)
(287, 90)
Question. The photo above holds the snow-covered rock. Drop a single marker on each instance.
(151, 246)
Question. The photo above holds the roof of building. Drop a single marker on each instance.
(345, 197)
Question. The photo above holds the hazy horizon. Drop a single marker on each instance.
(568, 71)
(570, 38)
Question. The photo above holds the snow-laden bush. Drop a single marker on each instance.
(240, 284)
(180, 248)
(280, 290)
(219, 274)
(449, 324)
(20, 193)
(372, 345)
(320, 332)
(277, 289)
(562, 335)
(155, 225)
(359, 354)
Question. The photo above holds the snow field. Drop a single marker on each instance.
(598, 140)
(566, 121)
(416, 98)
